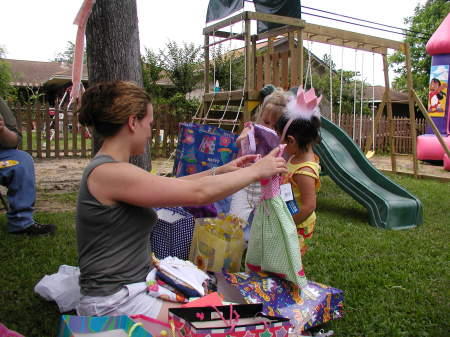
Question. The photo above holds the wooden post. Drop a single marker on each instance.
(412, 114)
(293, 71)
(48, 142)
(37, 108)
(29, 130)
(300, 56)
(250, 74)
(206, 74)
(250, 69)
(18, 113)
(56, 134)
(429, 120)
(253, 62)
(389, 110)
(66, 132)
(74, 135)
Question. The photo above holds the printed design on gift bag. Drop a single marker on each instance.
(191, 169)
(208, 144)
(225, 154)
(189, 137)
(189, 157)
(225, 141)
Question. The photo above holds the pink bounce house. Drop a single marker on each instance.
(428, 146)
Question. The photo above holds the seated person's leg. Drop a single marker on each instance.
(20, 181)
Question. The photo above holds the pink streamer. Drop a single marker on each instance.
(77, 66)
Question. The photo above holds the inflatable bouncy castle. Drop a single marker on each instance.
(428, 146)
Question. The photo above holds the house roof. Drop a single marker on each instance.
(37, 73)
(396, 96)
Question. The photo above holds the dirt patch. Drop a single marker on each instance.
(58, 179)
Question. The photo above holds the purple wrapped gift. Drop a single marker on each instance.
(282, 298)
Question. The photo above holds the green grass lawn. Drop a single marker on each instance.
(396, 283)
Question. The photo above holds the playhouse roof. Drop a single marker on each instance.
(439, 43)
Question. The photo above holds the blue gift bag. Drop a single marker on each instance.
(71, 326)
(201, 147)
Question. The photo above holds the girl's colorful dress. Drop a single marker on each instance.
(305, 229)
(273, 245)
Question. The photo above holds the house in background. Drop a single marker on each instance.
(400, 101)
(48, 78)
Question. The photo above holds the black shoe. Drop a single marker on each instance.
(37, 229)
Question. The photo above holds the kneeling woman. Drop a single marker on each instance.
(114, 211)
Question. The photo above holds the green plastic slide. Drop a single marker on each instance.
(390, 206)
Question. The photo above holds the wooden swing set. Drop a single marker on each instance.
(286, 69)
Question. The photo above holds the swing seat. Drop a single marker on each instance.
(370, 154)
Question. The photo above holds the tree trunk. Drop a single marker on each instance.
(112, 49)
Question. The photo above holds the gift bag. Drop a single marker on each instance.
(245, 320)
(201, 147)
(260, 140)
(218, 243)
(273, 244)
(111, 326)
(172, 234)
(152, 325)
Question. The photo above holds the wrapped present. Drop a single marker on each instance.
(172, 234)
(245, 320)
(218, 243)
(117, 326)
(281, 297)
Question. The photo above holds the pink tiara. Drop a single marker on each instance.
(304, 105)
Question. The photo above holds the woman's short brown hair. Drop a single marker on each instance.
(106, 106)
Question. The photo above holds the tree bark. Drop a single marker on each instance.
(113, 52)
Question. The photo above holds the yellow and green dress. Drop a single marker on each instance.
(306, 228)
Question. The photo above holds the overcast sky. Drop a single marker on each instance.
(39, 30)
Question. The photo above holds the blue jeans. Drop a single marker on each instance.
(20, 181)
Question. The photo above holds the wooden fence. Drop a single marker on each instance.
(56, 134)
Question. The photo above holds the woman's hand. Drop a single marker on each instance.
(270, 165)
(237, 164)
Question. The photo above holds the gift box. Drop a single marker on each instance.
(281, 297)
(172, 234)
(218, 243)
(245, 320)
(111, 326)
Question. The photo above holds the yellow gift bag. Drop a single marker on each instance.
(218, 243)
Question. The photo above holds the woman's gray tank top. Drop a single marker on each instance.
(113, 241)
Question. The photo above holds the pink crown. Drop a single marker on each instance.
(307, 100)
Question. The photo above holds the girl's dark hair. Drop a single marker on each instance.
(436, 81)
(107, 106)
(305, 132)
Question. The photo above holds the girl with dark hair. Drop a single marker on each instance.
(299, 130)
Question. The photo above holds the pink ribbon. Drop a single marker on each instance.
(77, 66)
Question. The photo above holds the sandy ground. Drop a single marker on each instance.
(58, 176)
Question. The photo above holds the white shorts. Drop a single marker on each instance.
(132, 299)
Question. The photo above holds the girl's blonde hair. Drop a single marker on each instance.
(277, 101)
